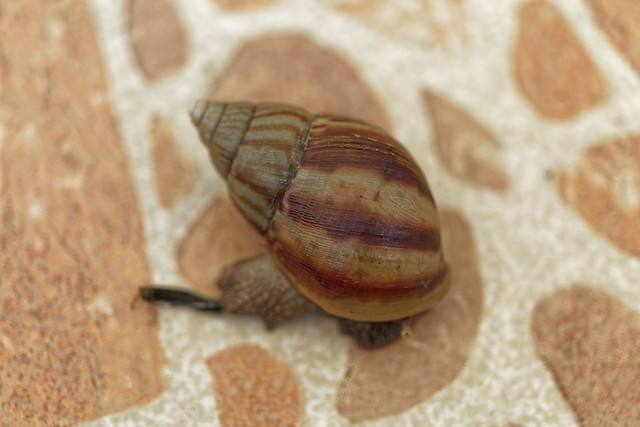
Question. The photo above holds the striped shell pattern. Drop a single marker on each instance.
(347, 213)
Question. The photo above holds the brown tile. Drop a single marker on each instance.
(590, 342)
(619, 21)
(466, 147)
(294, 69)
(217, 238)
(390, 380)
(604, 189)
(174, 176)
(72, 250)
(157, 37)
(552, 69)
(234, 5)
(254, 388)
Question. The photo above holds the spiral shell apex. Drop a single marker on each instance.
(347, 213)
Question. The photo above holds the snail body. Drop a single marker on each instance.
(346, 211)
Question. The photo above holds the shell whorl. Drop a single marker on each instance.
(357, 230)
(256, 148)
(221, 128)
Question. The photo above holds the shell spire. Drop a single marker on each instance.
(256, 148)
(222, 128)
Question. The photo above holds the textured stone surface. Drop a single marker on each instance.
(619, 21)
(604, 188)
(72, 245)
(157, 37)
(552, 69)
(274, 397)
(294, 69)
(590, 342)
(234, 5)
(217, 238)
(441, 23)
(534, 111)
(466, 147)
(174, 175)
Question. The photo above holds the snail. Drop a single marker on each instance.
(351, 224)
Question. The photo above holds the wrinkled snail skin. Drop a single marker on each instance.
(347, 213)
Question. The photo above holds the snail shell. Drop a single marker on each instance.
(347, 212)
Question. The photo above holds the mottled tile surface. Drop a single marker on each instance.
(73, 246)
(523, 118)
(553, 70)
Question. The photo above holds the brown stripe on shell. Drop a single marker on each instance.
(357, 204)
(331, 285)
(336, 142)
(228, 134)
(271, 148)
(256, 190)
(271, 134)
(205, 116)
(342, 249)
(252, 206)
(352, 221)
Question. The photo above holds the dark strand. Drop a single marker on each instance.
(178, 297)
